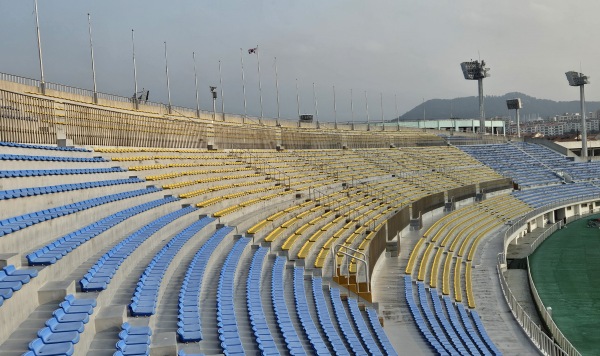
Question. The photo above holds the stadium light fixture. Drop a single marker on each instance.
(515, 104)
(577, 79)
(476, 70)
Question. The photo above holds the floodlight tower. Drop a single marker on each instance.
(476, 70)
(579, 80)
(515, 104)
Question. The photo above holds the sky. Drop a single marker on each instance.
(397, 52)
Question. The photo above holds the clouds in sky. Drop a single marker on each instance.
(409, 49)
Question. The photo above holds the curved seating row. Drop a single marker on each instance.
(463, 326)
(260, 328)
(365, 335)
(11, 157)
(28, 192)
(229, 336)
(42, 147)
(59, 248)
(63, 330)
(419, 320)
(10, 225)
(143, 302)
(483, 333)
(385, 343)
(57, 172)
(12, 280)
(189, 325)
(325, 318)
(133, 340)
(538, 197)
(284, 322)
(345, 327)
(319, 346)
(101, 273)
(438, 331)
(457, 335)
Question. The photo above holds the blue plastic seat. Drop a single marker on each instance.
(38, 347)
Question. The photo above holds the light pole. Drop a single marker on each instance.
(367, 109)
(476, 70)
(580, 80)
(277, 90)
(382, 118)
(92, 55)
(243, 85)
(352, 106)
(135, 90)
(222, 96)
(167, 74)
(396, 105)
(334, 110)
(316, 106)
(39, 42)
(298, 99)
(196, 84)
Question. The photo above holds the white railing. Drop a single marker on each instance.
(19, 80)
(542, 341)
(559, 337)
(70, 90)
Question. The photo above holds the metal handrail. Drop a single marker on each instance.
(364, 261)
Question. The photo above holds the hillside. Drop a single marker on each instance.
(468, 107)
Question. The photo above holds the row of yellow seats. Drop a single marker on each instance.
(189, 173)
(226, 186)
(211, 179)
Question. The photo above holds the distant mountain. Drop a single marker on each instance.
(494, 106)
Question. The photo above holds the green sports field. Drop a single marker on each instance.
(566, 272)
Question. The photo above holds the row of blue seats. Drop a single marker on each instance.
(456, 334)
(538, 197)
(57, 172)
(385, 343)
(415, 311)
(145, 297)
(9, 157)
(325, 318)
(483, 333)
(319, 346)
(10, 225)
(133, 340)
(260, 328)
(101, 273)
(464, 329)
(12, 280)
(363, 330)
(439, 332)
(59, 248)
(28, 192)
(42, 147)
(229, 336)
(342, 319)
(63, 330)
(189, 324)
(282, 315)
